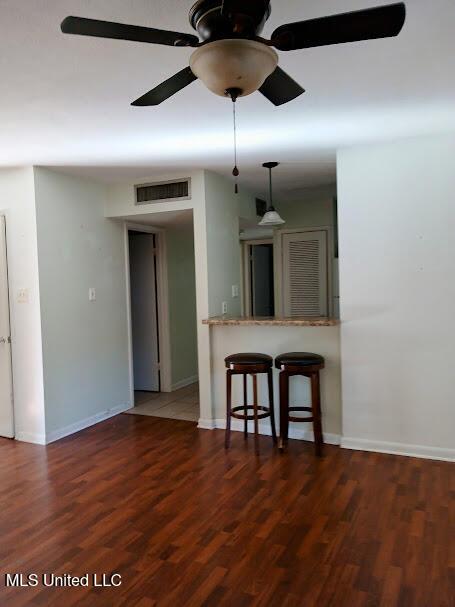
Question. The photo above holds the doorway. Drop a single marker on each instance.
(259, 278)
(6, 384)
(163, 319)
(144, 311)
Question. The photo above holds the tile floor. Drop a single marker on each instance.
(181, 404)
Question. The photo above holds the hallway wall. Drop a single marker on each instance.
(182, 304)
(86, 374)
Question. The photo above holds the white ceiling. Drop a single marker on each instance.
(66, 99)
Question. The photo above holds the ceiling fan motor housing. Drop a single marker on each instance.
(240, 18)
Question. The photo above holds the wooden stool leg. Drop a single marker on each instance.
(255, 409)
(227, 436)
(316, 412)
(245, 405)
(284, 409)
(272, 405)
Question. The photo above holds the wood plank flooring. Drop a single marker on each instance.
(184, 523)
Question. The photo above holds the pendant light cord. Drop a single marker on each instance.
(270, 190)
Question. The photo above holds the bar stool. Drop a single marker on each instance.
(307, 365)
(249, 364)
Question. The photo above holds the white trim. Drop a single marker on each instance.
(11, 431)
(28, 437)
(163, 305)
(164, 331)
(422, 451)
(207, 424)
(183, 383)
(85, 423)
(264, 428)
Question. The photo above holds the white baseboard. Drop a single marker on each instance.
(85, 423)
(29, 437)
(422, 451)
(265, 429)
(183, 383)
(207, 424)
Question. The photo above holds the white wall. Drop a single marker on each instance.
(86, 373)
(224, 208)
(17, 202)
(397, 281)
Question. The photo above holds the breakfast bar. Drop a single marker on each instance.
(274, 336)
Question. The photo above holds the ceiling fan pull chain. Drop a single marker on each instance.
(235, 170)
(233, 94)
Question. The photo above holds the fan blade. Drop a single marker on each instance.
(280, 88)
(121, 31)
(167, 88)
(378, 22)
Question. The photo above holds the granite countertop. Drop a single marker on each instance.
(275, 321)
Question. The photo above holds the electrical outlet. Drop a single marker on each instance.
(92, 294)
(224, 307)
(235, 291)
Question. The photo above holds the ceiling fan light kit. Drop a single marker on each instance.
(233, 64)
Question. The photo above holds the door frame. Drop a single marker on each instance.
(4, 215)
(162, 294)
(246, 293)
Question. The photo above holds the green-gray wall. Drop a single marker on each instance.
(223, 210)
(182, 303)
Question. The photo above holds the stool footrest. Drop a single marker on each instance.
(266, 412)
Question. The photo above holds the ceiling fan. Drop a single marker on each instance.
(231, 58)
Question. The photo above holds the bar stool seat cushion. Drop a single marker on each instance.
(248, 358)
(298, 359)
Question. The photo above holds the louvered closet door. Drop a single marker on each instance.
(305, 274)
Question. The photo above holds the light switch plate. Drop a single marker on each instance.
(23, 296)
(92, 294)
(224, 307)
(235, 291)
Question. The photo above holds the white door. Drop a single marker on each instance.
(305, 273)
(144, 321)
(6, 386)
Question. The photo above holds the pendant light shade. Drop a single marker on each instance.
(271, 217)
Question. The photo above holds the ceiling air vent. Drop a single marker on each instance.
(163, 191)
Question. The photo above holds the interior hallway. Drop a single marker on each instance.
(181, 404)
(185, 523)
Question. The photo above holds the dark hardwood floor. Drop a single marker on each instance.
(184, 523)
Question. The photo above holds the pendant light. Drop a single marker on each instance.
(271, 218)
